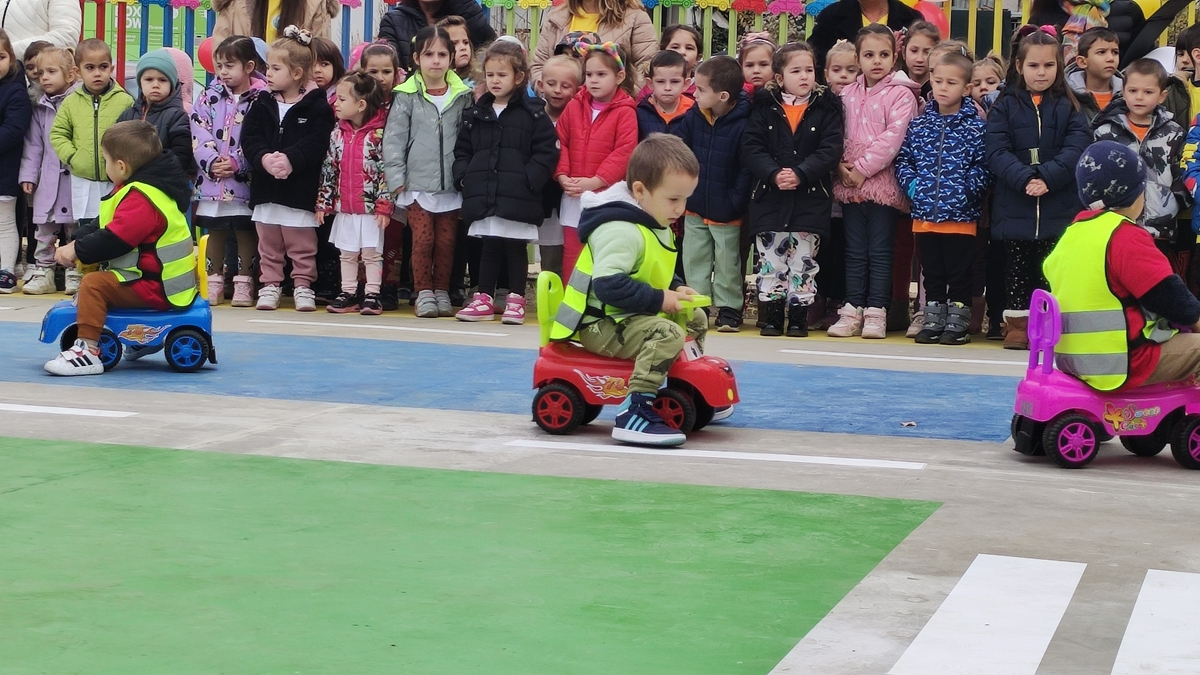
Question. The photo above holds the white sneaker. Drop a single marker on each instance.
(78, 360)
(305, 299)
(72, 281)
(268, 298)
(723, 413)
(40, 282)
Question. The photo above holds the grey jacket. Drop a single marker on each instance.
(418, 142)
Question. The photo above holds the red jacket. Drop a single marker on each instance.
(601, 147)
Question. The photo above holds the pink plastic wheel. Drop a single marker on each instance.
(1071, 440)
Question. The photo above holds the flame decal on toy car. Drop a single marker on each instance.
(604, 386)
(1128, 418)
(140, 333)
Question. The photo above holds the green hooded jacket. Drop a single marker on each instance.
(81, 121)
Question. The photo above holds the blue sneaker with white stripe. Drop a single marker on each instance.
(637, 423)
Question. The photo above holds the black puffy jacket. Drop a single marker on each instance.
(813, 152)
(303, 137)
(1025, 142)
(400, 24)
(843, 19)
(171, 121)
(502, 163)
(15, 115)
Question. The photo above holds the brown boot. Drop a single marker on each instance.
(978, 308)
(1016, 338)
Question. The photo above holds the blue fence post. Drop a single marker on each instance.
(168, 26)
(369, 28)
(345, 34)
(189, 34)
(144, 33)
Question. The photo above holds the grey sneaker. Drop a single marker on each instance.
(444, 306)
(305, 299)
(427, 305)
(73, 278)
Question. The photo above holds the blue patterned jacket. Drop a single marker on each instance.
(942, 166)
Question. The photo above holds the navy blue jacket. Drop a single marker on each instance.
(724, 187)
(813, 152)
(942, 166)
(15, 114)
(650, 122)
(1026, 142)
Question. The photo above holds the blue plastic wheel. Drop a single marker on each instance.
(110, 349)
(187, 350)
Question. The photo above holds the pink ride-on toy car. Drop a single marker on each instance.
(573, 385)
(1059, 415)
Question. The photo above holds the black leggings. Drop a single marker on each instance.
(1023, 270)
(497, 250)
(946, 261)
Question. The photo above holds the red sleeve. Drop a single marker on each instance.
(563, 128)
(1135, 265)
(136, 221)
(612, 169)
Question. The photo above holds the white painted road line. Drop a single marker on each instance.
(717, 454)
(998, 620)
(327, 324)
(892, 357)
(1161, 635)
(50, 410)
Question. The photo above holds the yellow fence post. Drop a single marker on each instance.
(997, 26)
(972, 22)
(708, 31)
(1025, 5)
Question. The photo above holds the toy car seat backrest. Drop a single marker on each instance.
(549, 297)
(1045, 327)
(201, 265)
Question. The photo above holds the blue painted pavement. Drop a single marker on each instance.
(490, 379)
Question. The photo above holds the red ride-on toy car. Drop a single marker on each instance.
(573, 385)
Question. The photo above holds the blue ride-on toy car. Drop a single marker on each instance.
(184, 336)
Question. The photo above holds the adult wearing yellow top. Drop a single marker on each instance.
(265, 18)
(624, 22)
(843, 19)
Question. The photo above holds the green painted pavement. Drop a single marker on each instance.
(136, 560)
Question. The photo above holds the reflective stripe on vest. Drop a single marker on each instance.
(1095, 331)
(657, 270)
(174, 248)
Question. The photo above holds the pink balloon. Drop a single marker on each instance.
(205, 55)
(934, 15)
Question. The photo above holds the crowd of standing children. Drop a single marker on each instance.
(904, 158)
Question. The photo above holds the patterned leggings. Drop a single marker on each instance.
(1023, 272)
(788, 266)
(433, 247)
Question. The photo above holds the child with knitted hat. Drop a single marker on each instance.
(160, 102)
(1121, 305)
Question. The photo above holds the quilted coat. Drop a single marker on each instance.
(599, 147)
(1161, 151)
(876, 122)
(352, 179)
(78, 126)
(43, 168)
(812, 151)
(1024, 142)
(248, 17)
(171, 121)
(418, 142)
(501, 164)
(216, 123)
(58, 22)
(942, 165)
(724, 188)
(636, 34)
(302, 135)
(15, 112)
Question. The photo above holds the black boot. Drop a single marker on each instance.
(797, 320)
(958, 325)
(770, 312)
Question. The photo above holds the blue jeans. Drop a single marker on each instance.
(870, 229)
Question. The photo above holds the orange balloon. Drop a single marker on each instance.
(934, 15)
(205, 54)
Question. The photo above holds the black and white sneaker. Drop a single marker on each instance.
(370, 306)
(8, 282)
(638, 423)
(344, 303)
(78, 360)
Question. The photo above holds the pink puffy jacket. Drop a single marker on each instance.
(876, 123)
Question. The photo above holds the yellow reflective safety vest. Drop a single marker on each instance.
(1095, 342)
(657, 270)
(174, 247)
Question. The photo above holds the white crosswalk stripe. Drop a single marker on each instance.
(1162, 635)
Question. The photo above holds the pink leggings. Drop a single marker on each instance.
(299, 244)
(372, 261)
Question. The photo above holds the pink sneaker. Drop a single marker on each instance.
(874, 323)
(216, 289)
(243, 291)
(849, 323)
(514, 310)
(479, 309)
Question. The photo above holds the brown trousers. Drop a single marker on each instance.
(433, 247)
(98, 292)
(1178, 360)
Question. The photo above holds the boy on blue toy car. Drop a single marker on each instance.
(625, 276)
(1118, 297)
(141, 240)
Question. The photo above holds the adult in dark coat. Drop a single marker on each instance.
(403, 21)
(1125, 18)
(843, 19)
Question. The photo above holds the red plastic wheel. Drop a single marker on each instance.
(676, 409)
(558, 409)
